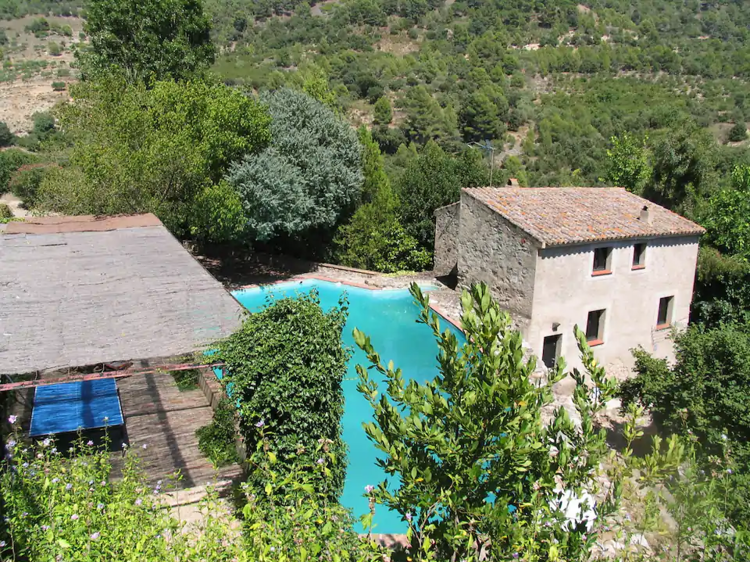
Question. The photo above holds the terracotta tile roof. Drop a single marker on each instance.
(556, 216)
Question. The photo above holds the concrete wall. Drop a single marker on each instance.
(565, 291)
(492, 250)
(446, 240)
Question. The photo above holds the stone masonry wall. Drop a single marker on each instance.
(446, 239)
(492, 250)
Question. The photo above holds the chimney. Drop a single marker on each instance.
(645, 215)
(512, 182)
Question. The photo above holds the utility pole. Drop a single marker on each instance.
(489, 150)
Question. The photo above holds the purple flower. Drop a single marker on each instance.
(12, 420)
(90, 443)
(47, 442)
(68, 486)
(145, 446)
(55, 480)
(74, 517)
(54, 450)
(45, 528)
(100, 506)
(2, 544)
(95, 536)
(729, 471)
(320, 461)
(260, 424)
(515, 555)
(369, 488)
(25, 465)
(139, 501)
(408, 517)
(10, 445)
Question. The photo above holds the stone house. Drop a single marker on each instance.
(617, 265)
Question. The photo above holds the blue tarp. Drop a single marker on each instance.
(59, 408)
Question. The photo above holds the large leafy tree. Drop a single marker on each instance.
(308, 178)
(148, 39)
(137, 149)
(473, 469)
(629, 165)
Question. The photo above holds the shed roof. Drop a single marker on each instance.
(78, 291)
(557, 216)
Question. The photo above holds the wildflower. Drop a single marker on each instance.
(90, 443)
(320, 461)
(724, 437)
(68, 486)
(515, 555)
(369, 488)
(729, 471)
(139, 501)
(55, 480)
(12, 420)
(10, 445)
(105, 419)
(260, 424)
(25, 465)
(39, 456)
(47, 442)
(124, 445)
(74, 517)
(45, 528)
(100, 506)
(409, 517)
(102, 483)
(2, 544)
(95, 536)
(54, 450)
(145, 446)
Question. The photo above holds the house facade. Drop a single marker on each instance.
(618, 266)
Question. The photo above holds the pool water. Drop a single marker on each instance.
(389, 318)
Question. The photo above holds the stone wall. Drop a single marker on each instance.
(492, 250)
(446, 239)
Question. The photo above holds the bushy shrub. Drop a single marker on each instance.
(217, 439)
(6, 137)
(54, 49)
(10, 161)
(5, 212)
(284, 369)
(70, 507)
(25, 182)
(217, 215)
(738, 132)
(58, 86)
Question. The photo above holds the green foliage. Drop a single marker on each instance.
(374, 238)
(5, 212)
(74, 509)
(186, 380)
(54, 49)
(310, 175)
(148, 39)
(137, 149)
(738, 132)
(284, 369)
(426, 120)
(705, 392)
(58, 86)
(27, 180)
(472, 467)
(484, 114)
(383, 111)
(217, 439)
(6, 137)
(629, 165)
(434, 179)
(10, 161)
(217, 215)
(722, 289)
(727, 219)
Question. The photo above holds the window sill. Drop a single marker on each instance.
(600, 273)
(637, 267)
(660, 327)
(594, 343)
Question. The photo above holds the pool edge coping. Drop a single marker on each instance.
(435, 308)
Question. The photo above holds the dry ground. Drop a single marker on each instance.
(21, 97)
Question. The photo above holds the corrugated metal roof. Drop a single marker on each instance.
(558, 216)
(73, 298)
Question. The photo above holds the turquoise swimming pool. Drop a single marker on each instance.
(389, 318)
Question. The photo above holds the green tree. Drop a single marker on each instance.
(470, 462)
(727, 218)
(738, 132)
(147, 39)
(6, 137)
(426, 120)
(285, 366)
(484, 114)
(629, 165)
(432, 180)
(383, 111)
(309, 177)
(374, 237)
(151, 150)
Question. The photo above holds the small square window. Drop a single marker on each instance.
(639, 256)
(602, 260)
(595, 327)
(664, 317)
